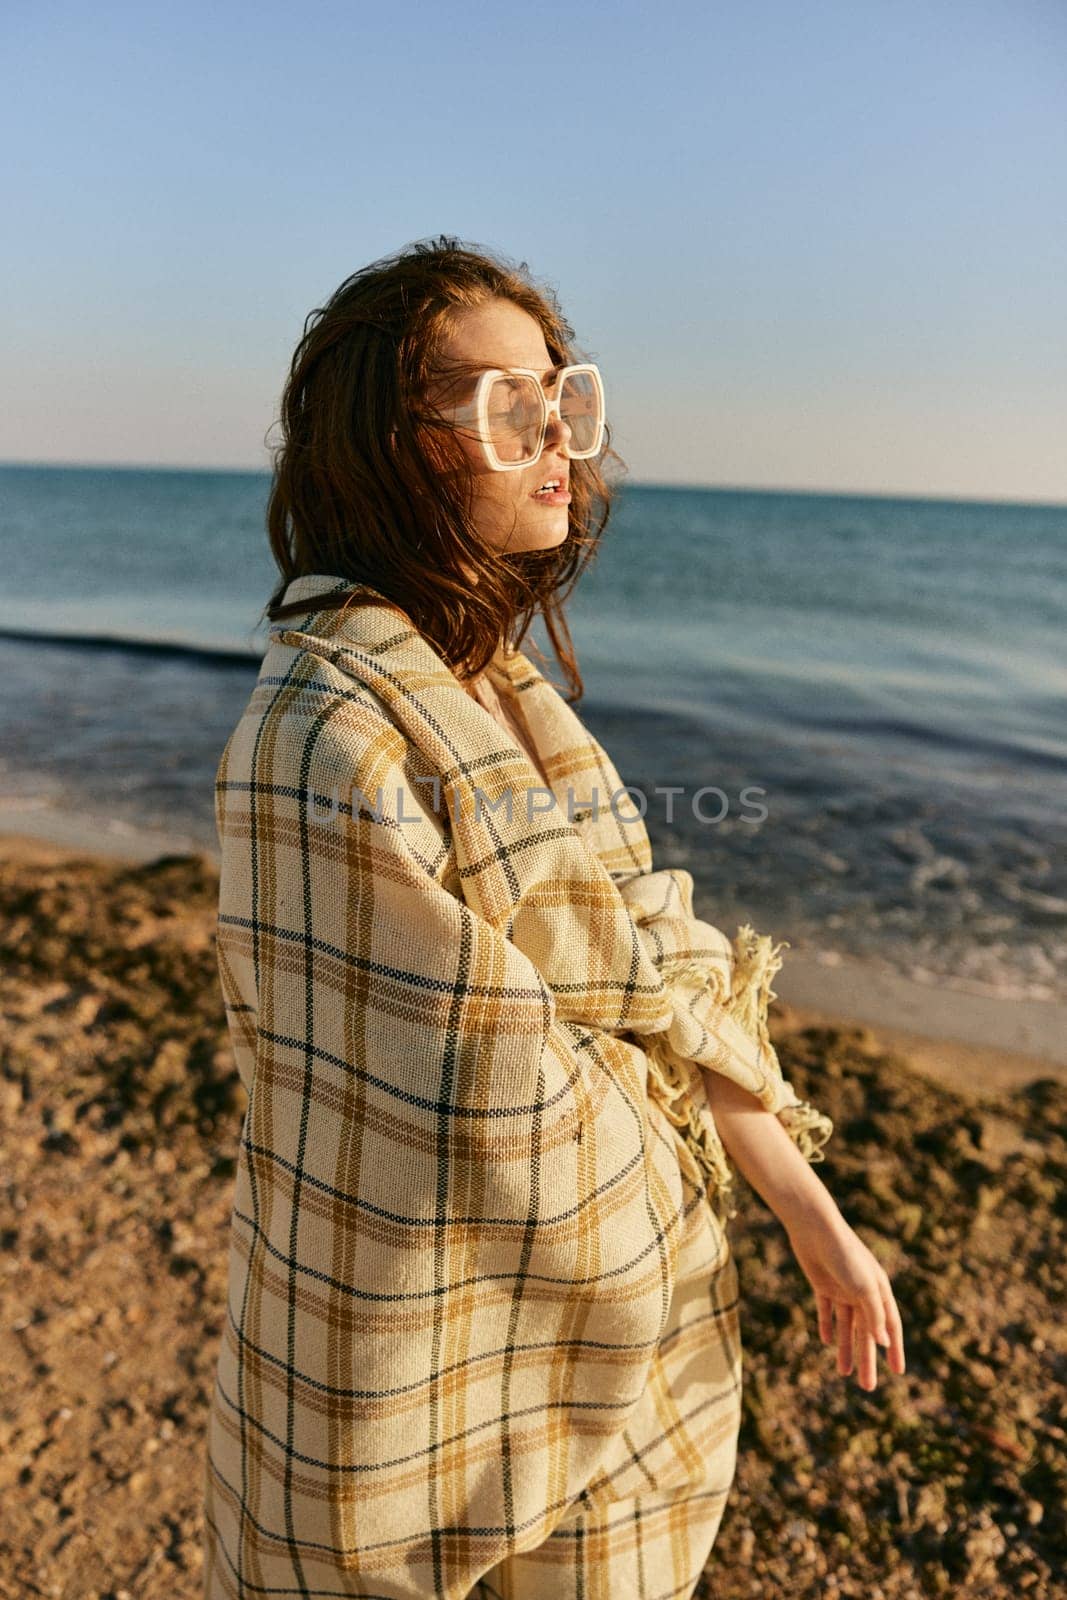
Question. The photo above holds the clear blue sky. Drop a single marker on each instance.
(818, 245)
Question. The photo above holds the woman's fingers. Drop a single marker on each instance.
(895, 1351)
(861, 1303)
(862, 1328)
(866, 1357)
(844, 1338)
(873, 1311)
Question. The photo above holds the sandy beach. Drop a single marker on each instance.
(121, 1116)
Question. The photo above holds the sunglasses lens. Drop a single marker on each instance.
(515, 413)
(514, 407)
(580, 408)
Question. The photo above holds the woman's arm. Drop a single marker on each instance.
(850, 1284)
(765, 1155)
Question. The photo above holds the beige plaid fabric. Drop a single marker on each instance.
(476, 1290)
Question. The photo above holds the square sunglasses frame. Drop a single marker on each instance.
(476, 411)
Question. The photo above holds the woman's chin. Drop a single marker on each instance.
(545, 533)
(546, 529)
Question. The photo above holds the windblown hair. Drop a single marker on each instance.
(370, 483)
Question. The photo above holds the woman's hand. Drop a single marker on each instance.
(852, 1288)
(850, 1284)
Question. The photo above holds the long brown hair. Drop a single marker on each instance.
(369, 485)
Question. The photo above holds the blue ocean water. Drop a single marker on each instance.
(885, 679)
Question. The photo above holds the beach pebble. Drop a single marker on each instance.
(982, 1545)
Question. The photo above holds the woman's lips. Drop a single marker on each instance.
(554, 497)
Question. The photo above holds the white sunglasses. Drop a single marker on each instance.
(510, 411)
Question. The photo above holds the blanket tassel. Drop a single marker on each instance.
(756, 961)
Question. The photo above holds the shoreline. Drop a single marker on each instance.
(947, 1032)
(974, 1044)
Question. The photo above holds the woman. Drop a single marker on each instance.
(482, 1332)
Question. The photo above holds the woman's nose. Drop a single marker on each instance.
(557, 432)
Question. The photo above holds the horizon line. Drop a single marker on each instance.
(652, 483)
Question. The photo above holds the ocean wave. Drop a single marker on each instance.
(212, 655)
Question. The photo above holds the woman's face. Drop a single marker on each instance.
(504, 508)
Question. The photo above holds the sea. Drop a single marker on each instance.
(846, 716)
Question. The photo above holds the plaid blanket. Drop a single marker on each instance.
(473, 1023)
